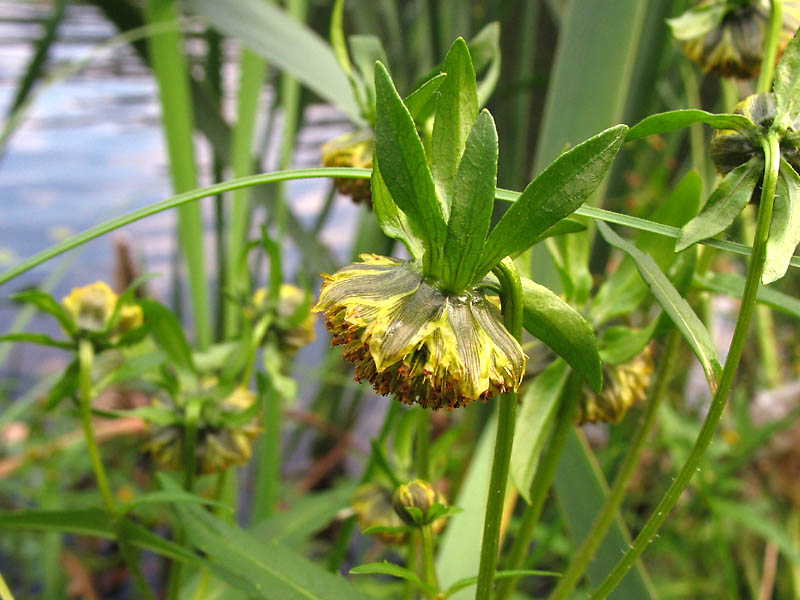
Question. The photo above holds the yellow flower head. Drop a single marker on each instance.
(733, 46)
(291, 299)
(92, 306)
(409, 338)
(218, 445)
(351, 150)
(623, 386)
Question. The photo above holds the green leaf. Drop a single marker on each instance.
(170, 497)
(547, 317)
(673, 304)
(553, 195)
(468, 581)
(787, 86)
(393, 221)
(404, 168)
(37, 338)
(581, 490)
(784, 231)
(485, 51)
(274, 35)
(724, 205)
(387, 568)
(677, 119)
(472, 204)
(133, 368)
(418, 100)
(264, 566)
(733, 285)
(456, 112)
(563, 227)
(539, 407)
(65, 387)
(338, 42)
(168, 334)
(46, 303)
(620, 344)
(366, 50)
(697, 21)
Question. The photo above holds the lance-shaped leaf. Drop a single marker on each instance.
(724, 205)
(456, 112)
(404, 168)
(733, 285)
(678, 119)
(391, 219)
(557, 324)
(784, 231)
(553, 195)
(787, 85)
(168, 334)
(418, 100)
(387, 568)
(472, 203)
(673, 304)
(36, 338)
(45, 302)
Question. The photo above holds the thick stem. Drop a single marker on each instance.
(428, 565)
(542, 482)
(754, 271)
(770, 48)
(511, 297)
(605, 517)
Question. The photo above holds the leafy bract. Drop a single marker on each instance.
(787, 86)
(677, 119)
(456, 112)
(784, 231)
(472, 203)
(391, 219)
(673, 304)
(554, 194)
(404, 168)
(168, 334)
(557, 324)
(724, 205)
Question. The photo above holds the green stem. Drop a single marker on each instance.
(608, 512)
(423, 461)
(85, 362)
(428, 565)
(542, 482)
(511, 297)
(770, 48)
(754, 271)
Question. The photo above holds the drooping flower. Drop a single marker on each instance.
(726, 37)
(409, 338)
(220, 444)
(351, 150)
(92, 307)
(624, 385)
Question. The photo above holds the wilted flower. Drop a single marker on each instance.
(291, 335)
(372, 504)
(351, 150)
(414, 500)
(409, 338)
(726, 37)
(219, 444)
(623, 386)
(92, 306)
(730, 148)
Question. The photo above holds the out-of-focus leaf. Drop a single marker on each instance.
(678, 119)
(387, 568)
(619, 344)
(46, 303)
(750, 517)
(673, 304)
(697, 21)
(724, 205)
(539, 407)
(784, 231)
(468, 581)
(393, 221)
(787, 85)
(733, 285)
(36, 338)
(65, 387)
(557, 324)
(168, 334)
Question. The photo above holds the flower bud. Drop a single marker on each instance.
(351, 150)
(413, 502)
(92, 306)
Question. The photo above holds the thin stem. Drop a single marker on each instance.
(542, 483)
(605, 517)
(770, 48)
(423, 461)
(428, 565)
(85, 362)
(754, 271)
(511, 297)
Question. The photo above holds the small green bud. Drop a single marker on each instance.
(413, 502)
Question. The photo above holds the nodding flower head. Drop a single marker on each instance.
(292, 335)
(219, 444)
(730, 148)
(92, 306)
(409, 338)
(624, 385)
(351, 150)
(726, 37)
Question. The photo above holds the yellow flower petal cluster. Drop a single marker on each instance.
(92, 306)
